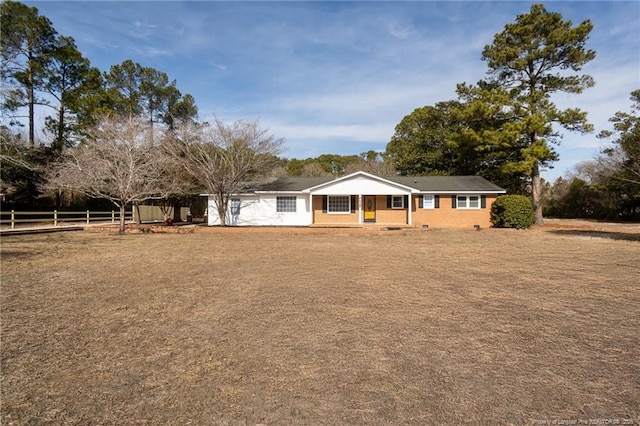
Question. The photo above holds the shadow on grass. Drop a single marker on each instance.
(17, 254)
(625, 236)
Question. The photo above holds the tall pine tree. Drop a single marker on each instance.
(530, 60)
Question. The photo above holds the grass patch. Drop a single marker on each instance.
(319, 327)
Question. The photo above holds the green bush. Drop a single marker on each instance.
(512, 211)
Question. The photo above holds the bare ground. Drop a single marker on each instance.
(322, 326)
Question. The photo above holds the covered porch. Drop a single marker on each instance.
(361, 210)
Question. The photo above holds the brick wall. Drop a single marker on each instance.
(448, 217)
(332, 218)
(443, 217)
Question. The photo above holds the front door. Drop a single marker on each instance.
(369, 208)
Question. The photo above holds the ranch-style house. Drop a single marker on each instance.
(361, 199)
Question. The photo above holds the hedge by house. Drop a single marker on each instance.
(512, 211)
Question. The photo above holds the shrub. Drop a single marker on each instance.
(512, 211)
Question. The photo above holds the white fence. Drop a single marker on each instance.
(59, 218)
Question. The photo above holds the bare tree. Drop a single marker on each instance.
(224, 158)
(119, 162)
(372, 162)
(12, 150)
(314, 170)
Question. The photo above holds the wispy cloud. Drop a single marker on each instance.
(142, 25)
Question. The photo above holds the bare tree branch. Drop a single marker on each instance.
(120, 162)
(224, 158)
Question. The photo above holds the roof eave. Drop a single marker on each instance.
(461, 191)
(369, 175)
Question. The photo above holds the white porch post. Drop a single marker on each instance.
(310, 209)
(359, 209)
(410, 207)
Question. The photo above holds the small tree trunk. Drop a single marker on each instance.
(177, 206)
(31, 100)
(60, 130)
(138, 217)
(536, 189)
(222, 209)
(122, 221)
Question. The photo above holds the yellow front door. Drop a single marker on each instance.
(369, 208)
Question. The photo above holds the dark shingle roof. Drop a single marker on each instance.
(293, 184)
(446, 183)
(421, 183)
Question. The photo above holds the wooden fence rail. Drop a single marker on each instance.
(59, 218)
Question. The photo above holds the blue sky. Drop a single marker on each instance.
(336, 77)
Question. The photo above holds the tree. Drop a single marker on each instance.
(27, 42)
(23, 167)
(372, 162)
(224, 158)
(336, 164)
(134, 90)
(528, 61)
(67, 78)
(623, 158)
(119, 162)
(313, 169)
(423, 141)
(489, 141)
(179, 108)
(11, 151)
(450, 138)
(309, 167)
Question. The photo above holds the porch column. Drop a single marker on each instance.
(410, 207)
(359, 209)
(310, 209)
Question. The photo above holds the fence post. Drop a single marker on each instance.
(113, 216)
(87, 217)
(13, 219)
(55, 218)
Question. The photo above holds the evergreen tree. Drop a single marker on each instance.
(530, 60)
(28, 40)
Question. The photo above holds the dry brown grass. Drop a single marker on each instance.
(321, 327)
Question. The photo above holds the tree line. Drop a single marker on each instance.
(607, 186)
(41, 68)
(103, 125)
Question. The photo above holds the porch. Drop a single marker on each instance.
(361, 210)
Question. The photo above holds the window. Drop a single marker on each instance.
(235, 206)
(428, 202)
(468, 201)
(286, 204)
(339, 204)
(397, 201)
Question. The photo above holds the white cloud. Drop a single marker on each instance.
(219, 67)
(356, 132)
(398, 30)
(141, 25)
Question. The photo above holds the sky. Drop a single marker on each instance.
(337, 77)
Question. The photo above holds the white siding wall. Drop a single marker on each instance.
(260, 210)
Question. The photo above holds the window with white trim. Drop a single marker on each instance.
(339, 204)
(468, 202)
(428, 201)
(286, 204)
(235, 206)
(397, 201)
